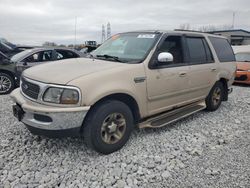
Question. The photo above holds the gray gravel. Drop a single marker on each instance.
(203, 150)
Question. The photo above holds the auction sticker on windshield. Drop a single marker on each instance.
(146, 36)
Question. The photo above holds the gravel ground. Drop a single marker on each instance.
(203, 150)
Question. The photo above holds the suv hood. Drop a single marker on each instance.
(64, 71)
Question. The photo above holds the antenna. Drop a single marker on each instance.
(103, 33)
(108, 30)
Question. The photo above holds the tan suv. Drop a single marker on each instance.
(144, 79)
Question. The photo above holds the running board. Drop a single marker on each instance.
(173, 115)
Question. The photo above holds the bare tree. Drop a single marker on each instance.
(185, 26)
(47, 43)
(208, 28)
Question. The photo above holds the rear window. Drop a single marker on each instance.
(223, 49)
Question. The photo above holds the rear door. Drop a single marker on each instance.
(202, 67)
(226, 58)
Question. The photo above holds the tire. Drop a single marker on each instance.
(7, 83)
(108, 126)
(214, 99)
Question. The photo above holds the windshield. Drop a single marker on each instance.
(20, 55)
(126, 47)
(245, 57)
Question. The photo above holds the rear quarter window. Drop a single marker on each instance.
(223, 49)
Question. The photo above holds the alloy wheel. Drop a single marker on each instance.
(113, 128)
(5, 84)
(216, 96)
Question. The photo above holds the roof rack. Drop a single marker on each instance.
(195, 31)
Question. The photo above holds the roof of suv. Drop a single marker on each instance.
(178, 31)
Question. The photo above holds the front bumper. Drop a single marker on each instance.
(49, 120)
(242, 77)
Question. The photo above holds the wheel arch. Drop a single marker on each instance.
(125, 98)
(8, 72)
(225, 85)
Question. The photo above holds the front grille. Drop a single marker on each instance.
(241, 78)
(30, 89)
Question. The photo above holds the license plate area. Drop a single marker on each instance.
(18, 112)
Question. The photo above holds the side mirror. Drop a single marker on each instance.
(165, 57)
(25, 63)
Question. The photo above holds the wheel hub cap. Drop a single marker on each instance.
(113, 128)
(216, 96)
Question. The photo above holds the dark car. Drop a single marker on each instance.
(10, 49)
(11, 69)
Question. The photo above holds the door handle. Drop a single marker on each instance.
(182, 74)
(213, 69)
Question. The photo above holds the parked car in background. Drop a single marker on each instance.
(242, 55)
(11, 70)
(144, 79)
(10, 49)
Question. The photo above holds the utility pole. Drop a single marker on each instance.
(233, 20)
(103, 33)
(75, 31)
(108, 30)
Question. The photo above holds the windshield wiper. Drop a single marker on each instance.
(106, 56)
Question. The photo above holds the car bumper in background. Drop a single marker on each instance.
(48, 120)
(242, 77)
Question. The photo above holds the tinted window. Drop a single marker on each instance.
(245, 57)
(65, 54)
(208, 52)
(197, 53)
(173, 45)
(223, 49)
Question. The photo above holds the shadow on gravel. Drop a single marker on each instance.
(76, 145)
(175, 125)
(241, 85)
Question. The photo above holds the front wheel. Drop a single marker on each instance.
(108, 126)
(213, 100)
(7, 83)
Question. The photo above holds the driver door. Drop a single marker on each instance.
(167, 83)
(34, 59)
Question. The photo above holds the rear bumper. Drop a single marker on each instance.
(49, 120)
(242, 77)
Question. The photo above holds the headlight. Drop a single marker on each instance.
(61, 95)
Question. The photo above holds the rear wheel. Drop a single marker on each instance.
(108, 126)
(213, 100)
(7, 83)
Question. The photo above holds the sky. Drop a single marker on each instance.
(32, 22)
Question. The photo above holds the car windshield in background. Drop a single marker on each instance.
(243, 57)
(126, 47)
(17, 57)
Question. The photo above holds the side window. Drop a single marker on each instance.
(33, 58)
(197, 52)
(65, 54)
(47, 56)
(210, 57)
(173, 45)
(39, 57)
(223, 49)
